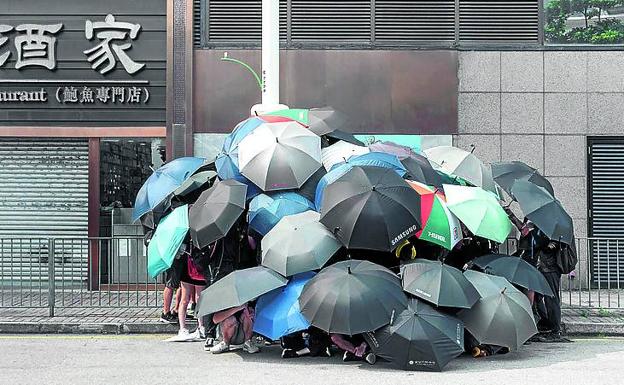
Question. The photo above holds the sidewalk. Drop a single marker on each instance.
(142, 320)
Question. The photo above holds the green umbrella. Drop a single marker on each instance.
(167, 239)
(479, 210)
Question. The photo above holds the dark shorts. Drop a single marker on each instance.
(185, 277)
(174, 274)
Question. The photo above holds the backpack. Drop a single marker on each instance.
(566, 259)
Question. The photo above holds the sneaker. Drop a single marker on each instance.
(348, 356)
(325, 353)
(209, 343)
(370, 358)
(220, 348)
(198, 335)
(165, 318)
(250, 347)
(289, 353)
(182, 336)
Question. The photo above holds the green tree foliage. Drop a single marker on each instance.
(596, 29)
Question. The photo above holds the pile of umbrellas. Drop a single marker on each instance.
(329, 214)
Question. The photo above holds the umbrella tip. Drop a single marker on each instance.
(392, 317)
(473, 148)
(504, 289)
(349, 269)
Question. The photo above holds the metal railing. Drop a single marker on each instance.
(112, 273)
(77, 273)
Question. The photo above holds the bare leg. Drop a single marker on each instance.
(184, 301)
(178, 296)
(198, 290)
(167, 297)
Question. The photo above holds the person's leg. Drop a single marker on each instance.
(184, 301)
(178, 296)
(227, 328)
(553, 304)
(167, 298)
(197, 291)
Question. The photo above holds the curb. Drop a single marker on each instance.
(594, 329)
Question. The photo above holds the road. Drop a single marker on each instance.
(146, 359)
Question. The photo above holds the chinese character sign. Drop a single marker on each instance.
(36, 45)
(113, 35)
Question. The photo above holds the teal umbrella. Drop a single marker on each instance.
(167, 239)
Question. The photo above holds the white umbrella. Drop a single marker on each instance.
(339, 152)
(298, 243)
(279, 156)
(464, 164)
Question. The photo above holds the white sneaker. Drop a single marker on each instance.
(182, 336)
(250, 347)
(220, 348)
(197, 335)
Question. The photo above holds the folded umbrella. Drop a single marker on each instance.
(352, 297)
(278, 313)
(418, 167)
(279, 156)
(215, 211)
(161, 184)
(419, 338)
(370, 208)
(519, 272)
(440, 226)
(507, 173)
(545, 211)
(439, 284)
(464, 164)
(502, 317)
(238, 288)
(339, 152)
(298, 243)
(266, 210)
(166, 241)
(479, 210)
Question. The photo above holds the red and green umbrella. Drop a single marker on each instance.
(440, 226)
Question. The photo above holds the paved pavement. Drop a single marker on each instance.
(146, 359)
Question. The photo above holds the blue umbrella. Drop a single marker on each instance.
(266, 210)
(278, 313)
(167, 240)
(378, 159)
(227, 161)
(163, 182)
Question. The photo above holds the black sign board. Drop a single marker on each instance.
(83, 62)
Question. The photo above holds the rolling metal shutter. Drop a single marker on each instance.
(606, 204)
(43, 194)
(237, 21)
(331, 20)
(414, 20)
(499, 21)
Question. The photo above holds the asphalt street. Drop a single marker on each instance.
(147, 359)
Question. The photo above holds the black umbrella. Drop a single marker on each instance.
(519, 272)
(371, 208)
(216, 211)
(545, 211)
(352, 297)
(308, 189)
(419, 338)
(418, 167)
(238, 288)
(508, 173)
(482, 261)
(439, 284)
(331, 125)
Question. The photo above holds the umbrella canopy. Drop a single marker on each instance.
(479, 210)
(545, 211)
(464, 164)
(419, 338)
(215, 211)
(277, 312)
(371, 208)
(418, 167)
(439, 284)
(238, 288)
(298, 243)
(167, 240)
(308, 189)
(503, 316)
(482, 261)
(440, 226)
(339, 152)
(266, 210)
(340, 298)
(377, 159)
(161, 184)
(519, 272)
(195, 182)
(507, 173)
(279, 156)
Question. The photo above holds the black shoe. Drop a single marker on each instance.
(165, 318)
(556, 337)
(370, 358)
(209, 343)
(348, 356)
(289, 353)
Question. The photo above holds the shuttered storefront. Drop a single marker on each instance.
(606, 205)
(43, 193)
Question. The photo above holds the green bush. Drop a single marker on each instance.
(596, 29)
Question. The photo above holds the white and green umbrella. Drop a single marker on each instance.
(479, 211)
(464, 164)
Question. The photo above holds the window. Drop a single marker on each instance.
(370, 23)
(584, 21)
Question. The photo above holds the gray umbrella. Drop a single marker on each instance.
(502, 317)
(238, 288)
(439, 284)
(215, 211)
(508, 173)
(298, 243)
(195, 182)
(279, 156)
(352, 297)
(464, 164)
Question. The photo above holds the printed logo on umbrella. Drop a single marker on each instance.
(439, 237)
(407, 232)
(428, 295)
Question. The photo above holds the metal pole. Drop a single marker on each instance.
(51, 277)
(270, 52)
